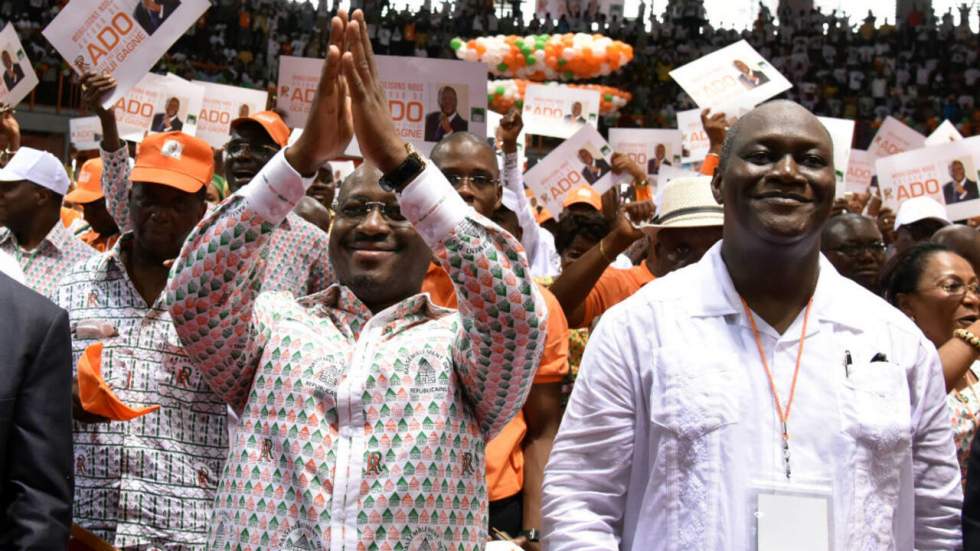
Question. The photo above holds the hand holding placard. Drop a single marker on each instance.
(716, 127)
(511, 127)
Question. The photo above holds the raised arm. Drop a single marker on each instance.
(115, 154)
(502, 313)
(577, 282)
(214, 283)
(538, 242)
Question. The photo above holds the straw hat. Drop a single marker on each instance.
(688, 203)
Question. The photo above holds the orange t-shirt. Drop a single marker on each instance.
(613, 287)
(69, 216)
(505, 453)
(97, 241)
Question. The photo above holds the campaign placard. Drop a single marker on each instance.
(559, 111)
(428, 98)
(223, 104)
(650, 148)
(894, 137)
(124, 38)
(947, 173)
(842, 135)
(694, 140)
(159, 103)
(730, 79)
(860, 171)
(85, 133)
(493, 123)
(19, 77)
(583, 159)
(944, 133)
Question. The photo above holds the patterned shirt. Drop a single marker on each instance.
(296, 260)
(964, 410)
(48, 262)
(149, 481)
(358, 431)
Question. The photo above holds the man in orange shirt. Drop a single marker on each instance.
(517, 456)
(688, 224)
(103, 231)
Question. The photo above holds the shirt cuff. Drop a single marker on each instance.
(432, 205)
(275, 190)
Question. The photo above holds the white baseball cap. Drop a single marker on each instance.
(38, 167)
(920, 208)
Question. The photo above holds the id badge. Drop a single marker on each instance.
(793, 517)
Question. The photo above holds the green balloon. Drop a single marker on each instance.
(502, 67)
(456, 43)
(569, 75)
(562, 61)
(499, 91)
(489, 98)
(608, 97)
(531, 60)
(519, 103)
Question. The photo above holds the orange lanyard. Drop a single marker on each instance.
(783, 414)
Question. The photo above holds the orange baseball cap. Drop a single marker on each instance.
(174, 159)
(95, 394)
(271, 122)
(584, 195)
(88, 185)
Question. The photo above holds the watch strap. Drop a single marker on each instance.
(402, 175)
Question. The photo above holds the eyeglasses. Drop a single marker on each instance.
(479, 181)
(238, 148)
(854, 249)
(958, 288)
(357, 212)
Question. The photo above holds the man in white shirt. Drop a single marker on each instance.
(699, 421)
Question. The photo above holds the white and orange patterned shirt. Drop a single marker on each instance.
(296, 261)
(46, 264)
(358, 431)
(149, 482)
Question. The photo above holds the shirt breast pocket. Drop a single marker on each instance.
(692, 397)
(875, 406)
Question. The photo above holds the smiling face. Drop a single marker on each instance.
(585, 157)
(577, 109)
(8, 61)
(957, 171)
(173, 106)
(741, 66)
(660, 151)
(447, 100)
(383, 261)
(937, 312)
(776, 179)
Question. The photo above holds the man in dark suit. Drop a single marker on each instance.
(660, 159)
(446, 120)
(749, 78)
(960, 188)
(150, 14)
(594, 168)
(168, 120)
(35, 420)
(12, 73)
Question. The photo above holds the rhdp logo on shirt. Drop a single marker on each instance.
(172, 149)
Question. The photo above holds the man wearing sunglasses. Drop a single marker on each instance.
(855, 247)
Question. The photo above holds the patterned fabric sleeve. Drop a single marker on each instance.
(503, 314)
(115, 185)
(215, 280)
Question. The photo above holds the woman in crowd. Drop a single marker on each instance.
(937, 289)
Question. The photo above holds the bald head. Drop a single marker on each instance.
(780, 109)
(963, 240)
(364, 174)
(470, 164)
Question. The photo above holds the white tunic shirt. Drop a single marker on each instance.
(672, 420)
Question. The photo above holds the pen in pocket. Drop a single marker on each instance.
(847, 363)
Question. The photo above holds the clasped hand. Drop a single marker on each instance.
(349, 102)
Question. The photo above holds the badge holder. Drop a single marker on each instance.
(792, 517)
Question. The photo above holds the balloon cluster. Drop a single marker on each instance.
(546, 57)
(502, 95)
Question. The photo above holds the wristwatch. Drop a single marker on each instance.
(532, 535)
(396, 179)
